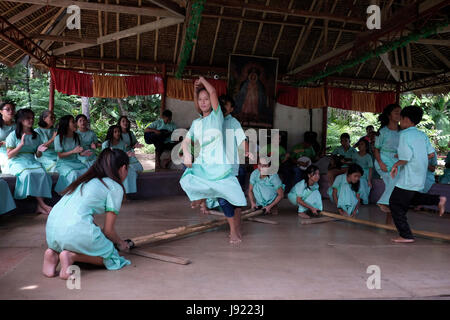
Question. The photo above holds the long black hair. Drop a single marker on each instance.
(63, 127)
(353, 168)
(310, 170)
(44, 115)
(19, 117)
(2, 122)
(383, 118)
(110, 134)
(107, 164)
(128, 128)
(366, 143)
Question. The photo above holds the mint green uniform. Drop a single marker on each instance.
(7, 202)
(445, 178)
(130, 182)
(232, 143)
(309, 195)
(69, 168)
(160, 125)
(31, 177)
(347, 199)
(265, 190)
(414, 147)
(387, 143)
(346, 154)
(4, 132)
(87, 138)
(366, 162)
(430, 180)
(209, 176)
(134, 162)
(49, 157)
(70, 224)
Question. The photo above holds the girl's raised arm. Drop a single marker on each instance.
(212, 93)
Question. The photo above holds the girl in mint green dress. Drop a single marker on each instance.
(22, 146)
(345, 191)
(130, 141)
(88, 139)
(305, 194)
(72, 236)
(67, 145)
(365, 161)
(114, 141)
(208, 176)
(265, 190)
(7, 125)
(385, 152)
(7, 202)
(47, 134)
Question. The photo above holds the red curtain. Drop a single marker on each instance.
(340, 98)
(72, 83)
(145, 85)
(287, 95)
(219, 85)
(382, 99)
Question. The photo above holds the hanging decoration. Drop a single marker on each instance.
(403, 41)
(191, 35)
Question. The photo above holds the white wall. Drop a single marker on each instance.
(293, 120)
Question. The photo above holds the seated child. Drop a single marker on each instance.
(365, 161)
(345, 191)
(265, 190)
(306, 193)
(344, 153)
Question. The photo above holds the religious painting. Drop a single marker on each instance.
(252, 84)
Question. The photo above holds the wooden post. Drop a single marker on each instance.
(163, 97)
(325, 116)
(85, 107)
(397, 93)
(51, 98)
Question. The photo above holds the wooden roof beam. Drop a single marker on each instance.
(292, 12)
(434, 42)
(238, 34)
(69, 39)
(258, 34)
(145, 11)
(439, 55)
(24, 13)
(415, 70)
(163, 23)
(281, 29)
(171, 7)
(283, 23)
(219, 21)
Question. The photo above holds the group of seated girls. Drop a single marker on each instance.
(32, 154)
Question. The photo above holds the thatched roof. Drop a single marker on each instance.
(298, 33)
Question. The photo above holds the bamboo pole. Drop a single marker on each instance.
(176, 233)
(426, 234)
(161, 256)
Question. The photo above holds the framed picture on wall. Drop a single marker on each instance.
(252, 83)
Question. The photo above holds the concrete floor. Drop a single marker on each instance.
(284, 261)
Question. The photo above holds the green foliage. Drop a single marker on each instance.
(141, 110)
(352, 122)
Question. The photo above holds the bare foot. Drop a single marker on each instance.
(66, 259)
(384, 208)
(304, 215)
(195, 204)
(51, 260)
(402, 240)
(235, 240)
(441, 206)
(41, 210)
(203, 209)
